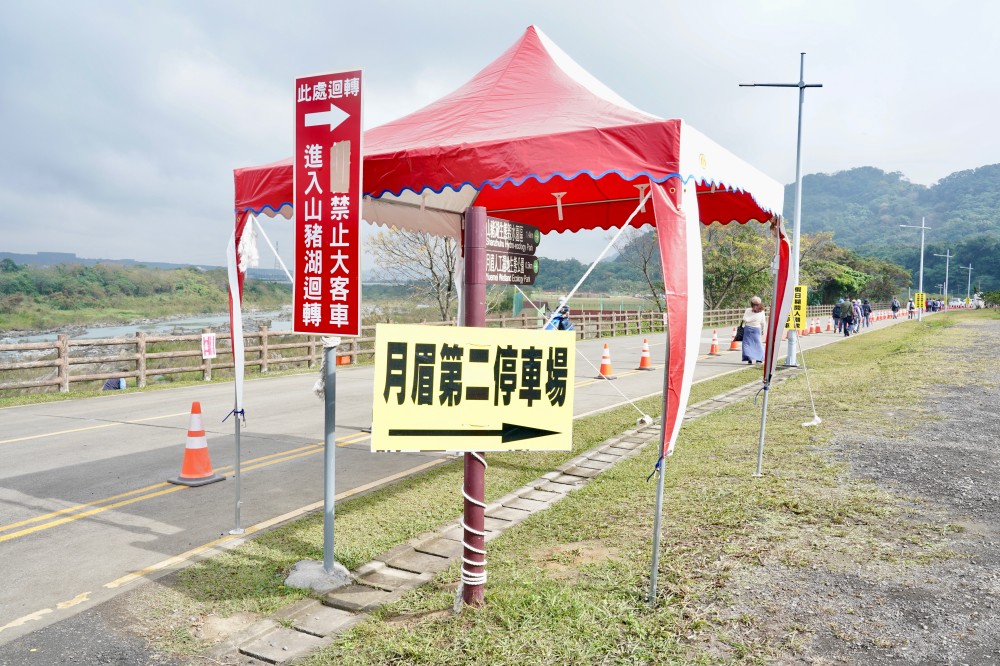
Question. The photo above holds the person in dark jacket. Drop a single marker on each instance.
(866, 313)
(838, 309)
(847, 317)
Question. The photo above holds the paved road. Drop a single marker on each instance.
(85, 509)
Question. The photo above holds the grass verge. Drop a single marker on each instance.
(569, 584)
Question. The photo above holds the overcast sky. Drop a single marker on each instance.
(122, 121)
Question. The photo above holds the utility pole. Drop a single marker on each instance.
(968, 290)
(920, 286)
(797, 224)
(947, 258)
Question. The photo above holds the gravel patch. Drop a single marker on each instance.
(907, 608)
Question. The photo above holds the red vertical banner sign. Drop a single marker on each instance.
(327, 188)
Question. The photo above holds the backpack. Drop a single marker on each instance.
(836, 311)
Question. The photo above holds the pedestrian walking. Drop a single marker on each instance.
(754, 325)
(910, 309)
(894, 306)
(847, 317)
(866, 313)
(838, 322)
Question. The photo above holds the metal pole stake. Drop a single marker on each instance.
(329, 448)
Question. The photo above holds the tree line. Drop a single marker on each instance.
(863, 208)
(737, 265)
(36, 297)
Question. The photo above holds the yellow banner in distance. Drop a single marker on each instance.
(797, 315)
(448, 388)
(920, 299)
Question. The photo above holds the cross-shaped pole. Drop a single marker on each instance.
(947, 259)
(968, 291)
(796, 225)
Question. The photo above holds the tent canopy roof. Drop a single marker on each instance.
(533, 138)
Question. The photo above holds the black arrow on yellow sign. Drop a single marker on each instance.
(508, 433)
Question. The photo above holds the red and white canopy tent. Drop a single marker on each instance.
(536, 139)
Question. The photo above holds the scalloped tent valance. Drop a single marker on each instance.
(535, 138)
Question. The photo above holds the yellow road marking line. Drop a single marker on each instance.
(87, 514)
(78, 599)
(26, 619)
(99, 506)
(194, 552)
(93, 427)
(71, 509)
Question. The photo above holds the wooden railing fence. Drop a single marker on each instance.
(61, 364)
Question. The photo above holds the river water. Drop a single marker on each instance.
(279, 321)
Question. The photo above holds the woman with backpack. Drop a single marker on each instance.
(847, 317)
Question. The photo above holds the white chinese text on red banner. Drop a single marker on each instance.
(327, 191)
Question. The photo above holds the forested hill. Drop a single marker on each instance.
(864, 207)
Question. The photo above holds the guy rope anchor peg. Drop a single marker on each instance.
(196, 469)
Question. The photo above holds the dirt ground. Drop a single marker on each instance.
(902, 609)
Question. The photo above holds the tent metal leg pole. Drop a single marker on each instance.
(655, 566)
(236, 476)
(763, 428)
(662, 463)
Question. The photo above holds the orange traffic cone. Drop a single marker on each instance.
(714, 349)
(816, 328)
(734, 345)
(196, 470)
(645, 361)
(606, 372)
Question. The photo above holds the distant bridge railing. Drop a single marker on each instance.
(65, 363)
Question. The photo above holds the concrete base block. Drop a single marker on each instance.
(359, 598)
(542, 495)
(391, 579)
(282, 646)
(441, 547)
(508, 513)
(419, 562)
(583, 471)
(553, 487)
(310, 575)
(313, 617)
(524, 504)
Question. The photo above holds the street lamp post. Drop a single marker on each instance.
(796, 225)
(968, 290)
(920, 284)
(947, 259)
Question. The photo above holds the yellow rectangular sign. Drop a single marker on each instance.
(446, 388)
(920, 299)
(797, 315)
